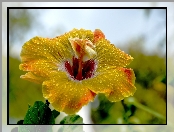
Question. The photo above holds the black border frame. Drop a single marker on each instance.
(8, 8)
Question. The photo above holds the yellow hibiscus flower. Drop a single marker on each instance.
(76, 66)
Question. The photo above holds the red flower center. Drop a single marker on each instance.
(80, 70)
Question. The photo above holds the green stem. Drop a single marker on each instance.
(137, 104)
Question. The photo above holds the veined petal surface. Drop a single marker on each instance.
(115, 83)
(66, 95)
(108, 55)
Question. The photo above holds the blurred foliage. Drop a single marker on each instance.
(71, 128)
(20, 22)
(25, 24)
(21, 92)
(150, 72)
(72, 119)
(170, 71)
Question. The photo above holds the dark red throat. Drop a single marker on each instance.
(80, 70)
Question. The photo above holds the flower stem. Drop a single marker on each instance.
(145, 108)
(133, 101)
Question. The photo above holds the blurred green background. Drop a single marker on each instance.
(149, 101)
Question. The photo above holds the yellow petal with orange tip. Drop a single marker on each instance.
(115, 83)
(66, 95)
(108, 55)
(98, 34)
(52, 49)
(32, 77)
(39, 70)
(44, 48)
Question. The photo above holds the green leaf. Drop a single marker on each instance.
(72, 119)
(55, 113)
(35, 128)
(40, 113)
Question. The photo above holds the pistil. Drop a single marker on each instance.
(79, 74)
(84, 50)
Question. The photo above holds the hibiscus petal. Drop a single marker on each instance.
(98, 34)
(39, 70)
(109, 55)
(115, 83)
(66, 95)
(45, 48)
(32, 77)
